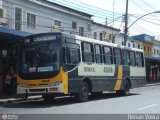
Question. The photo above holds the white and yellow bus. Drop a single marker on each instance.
(60, 63)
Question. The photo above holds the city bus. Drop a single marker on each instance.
(58, 63)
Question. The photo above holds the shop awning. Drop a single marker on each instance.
(11, 36)
(152, 58)
(13, 32)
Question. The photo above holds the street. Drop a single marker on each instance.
(142, 100)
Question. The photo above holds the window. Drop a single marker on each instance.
(1, 13)
(113, 38)
(144, 48)
(95, 35)
(87, 52)
(148, 49)
(129, 44)
(31, 20)
(74, 25)
(117, 56)
(139, 59)
(107, 51)
(154, 51)
(132, 58)
(40, 58)
(98, 55)
(73, 56)
(89, 27)
(100, 36)
(81, 31)
(57, 23)
(71, 53)
(126, 57)
(18, 18)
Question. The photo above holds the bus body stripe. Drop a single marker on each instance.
(64, 77)
(119, 78)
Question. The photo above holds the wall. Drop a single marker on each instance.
(147, 48)
(44, 17)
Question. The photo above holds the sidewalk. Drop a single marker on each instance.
(152, 84)
(5, 99)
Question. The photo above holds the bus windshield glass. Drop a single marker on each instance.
(41, 57)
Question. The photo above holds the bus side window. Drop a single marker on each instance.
(132, 58)
(126, 59)
(98, 54)
(139, 59)
(87, 52)
(117, 56)
(73, 56)
(71, 53)
(107, 55)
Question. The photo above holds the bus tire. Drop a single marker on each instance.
(126, 89)
(48, 97)
(83, 93)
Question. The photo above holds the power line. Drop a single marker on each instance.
(148, 5)
(147, 20)
(95, 7)
(98, 11)
(138, 5)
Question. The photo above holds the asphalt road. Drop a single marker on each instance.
(144, 100)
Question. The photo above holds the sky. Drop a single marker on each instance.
(114, 10)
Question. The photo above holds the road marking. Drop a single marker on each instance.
(147, 107)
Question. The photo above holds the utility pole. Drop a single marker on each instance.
(126, 24)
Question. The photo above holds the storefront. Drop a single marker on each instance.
(152, 69)
(9, 40)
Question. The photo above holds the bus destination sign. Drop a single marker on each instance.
(41, 38)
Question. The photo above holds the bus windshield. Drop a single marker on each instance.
(42, 57)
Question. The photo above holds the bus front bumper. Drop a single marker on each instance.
(39, 90)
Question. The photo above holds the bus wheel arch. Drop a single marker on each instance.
(84, 90)
(129, 81)
(125, 91)
(88, 81)
(126, 87)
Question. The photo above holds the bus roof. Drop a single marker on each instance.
(80, 38)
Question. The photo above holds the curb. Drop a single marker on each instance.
(151, 84)
(18, 100)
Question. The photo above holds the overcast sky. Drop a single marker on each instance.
(114, 9)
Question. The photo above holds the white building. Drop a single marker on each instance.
(38, 16)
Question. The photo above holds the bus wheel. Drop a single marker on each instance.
(48, 97)
(125, 91)
(83, 93)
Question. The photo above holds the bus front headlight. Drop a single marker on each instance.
(21, 85)
(56, 84)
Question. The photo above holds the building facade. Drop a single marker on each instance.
(151, 51)
(38, 16)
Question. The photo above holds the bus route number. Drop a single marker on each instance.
(108, 69)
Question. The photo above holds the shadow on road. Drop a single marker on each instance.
(61, 101)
